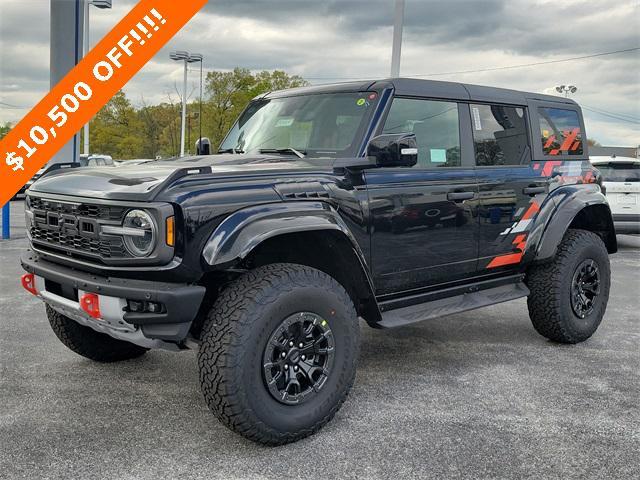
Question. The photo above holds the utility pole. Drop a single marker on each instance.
(397, 39)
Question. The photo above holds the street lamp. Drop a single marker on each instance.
(183, 56)
(101, 4)
(566, 89)
(193, 58)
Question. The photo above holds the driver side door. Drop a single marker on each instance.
(425, 229)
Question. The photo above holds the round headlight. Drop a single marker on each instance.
(141, 238)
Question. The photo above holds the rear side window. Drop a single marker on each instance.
(499, 135)
(435, 125)
(560, 131)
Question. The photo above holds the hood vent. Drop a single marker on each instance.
(301, 190)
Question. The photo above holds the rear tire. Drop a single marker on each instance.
(564, 306)
(87, 342)
(266, 319)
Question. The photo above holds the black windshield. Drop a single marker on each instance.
(319, 125)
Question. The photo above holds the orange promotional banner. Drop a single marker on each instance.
(88, 87)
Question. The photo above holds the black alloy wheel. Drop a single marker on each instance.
(298, 358)
(585, 288)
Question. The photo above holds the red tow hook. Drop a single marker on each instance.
(29, 283)
(90, 303)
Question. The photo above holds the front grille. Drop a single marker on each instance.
(74, 228)
(88, 210)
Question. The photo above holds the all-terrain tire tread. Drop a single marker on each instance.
(545, 284)
(224, 328)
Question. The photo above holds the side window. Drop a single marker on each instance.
(92, 162)
(435, 125)
(560, 131)
(499, 135)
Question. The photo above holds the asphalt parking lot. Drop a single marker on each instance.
(477, 395)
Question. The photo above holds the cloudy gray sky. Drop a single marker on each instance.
(326, 41)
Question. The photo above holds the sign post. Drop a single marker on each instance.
(6, 216)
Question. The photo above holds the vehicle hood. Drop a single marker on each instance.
(144, 181)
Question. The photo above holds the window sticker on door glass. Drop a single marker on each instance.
(438, 155)
(284, 122)
(476, 118)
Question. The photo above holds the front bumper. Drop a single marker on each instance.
(61, 287)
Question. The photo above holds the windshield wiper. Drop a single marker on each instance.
(230, 150)
(284, 151)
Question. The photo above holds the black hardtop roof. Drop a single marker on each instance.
(428, 88)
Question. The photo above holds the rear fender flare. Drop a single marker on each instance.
(569, 202)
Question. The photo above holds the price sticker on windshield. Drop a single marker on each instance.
(87, 88)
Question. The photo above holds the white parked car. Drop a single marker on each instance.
(621, 178)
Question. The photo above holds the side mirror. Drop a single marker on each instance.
(394, 150)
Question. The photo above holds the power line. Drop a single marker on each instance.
(491, 69)
(600, 110)
(637, 122)
(10, 106)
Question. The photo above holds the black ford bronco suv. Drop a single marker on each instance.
(392, 201)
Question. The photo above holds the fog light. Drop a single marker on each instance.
(29, 283)
(90, 303)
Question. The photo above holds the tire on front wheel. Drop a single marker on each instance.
(93, 345)
(569, 294)
(258, 332)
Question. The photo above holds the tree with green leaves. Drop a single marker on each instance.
(124, 131)
(228, 93)
(117, 130)
(4, 129)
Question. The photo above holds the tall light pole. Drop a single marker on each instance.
(102, 4)
(397, 39)
(193, 58)
(187, 58)
(566, 89)
(183, 56)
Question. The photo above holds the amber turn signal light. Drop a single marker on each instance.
(171, 235)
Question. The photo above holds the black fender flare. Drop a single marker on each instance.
(245, 229)
(569, 202)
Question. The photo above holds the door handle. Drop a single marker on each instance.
(459, 196)
(533, 190)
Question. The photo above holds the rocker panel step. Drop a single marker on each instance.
(448, 306)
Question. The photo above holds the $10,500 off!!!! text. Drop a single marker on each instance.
(69, 103)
